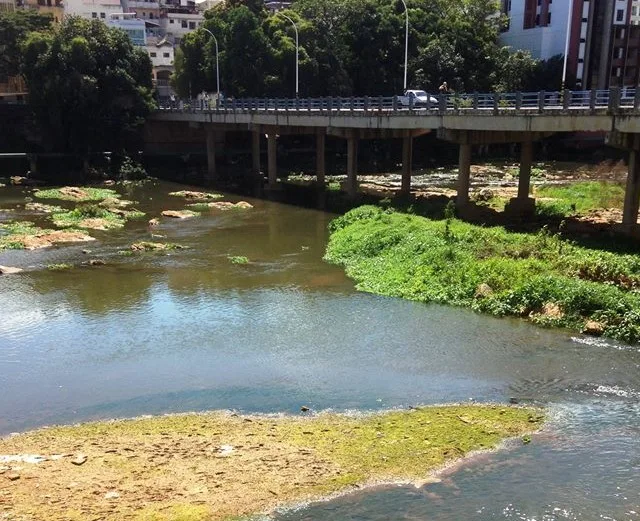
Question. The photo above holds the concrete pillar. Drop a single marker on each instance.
(33, 164)
(320, 159)
(524, 177)
(271, 153)
(255, 153)
(464, 174)
(352, 166)
(211, 155)
(407, 161)
(632, 192)
(523, 206)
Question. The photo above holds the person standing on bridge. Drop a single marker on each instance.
(444, 88)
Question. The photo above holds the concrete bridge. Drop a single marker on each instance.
(467, 120)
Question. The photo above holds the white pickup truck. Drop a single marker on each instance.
(417, 98)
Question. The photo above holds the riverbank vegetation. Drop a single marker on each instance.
(219, 465)
(77, 194)
(542, 277)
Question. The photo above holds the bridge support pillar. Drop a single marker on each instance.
(407, 160)
(632, 193)
(523, 206)
(271, 153)
(212, 174)
(464, 175)
(320, 159)
(33, 164)
(255, 153)
(352, 166)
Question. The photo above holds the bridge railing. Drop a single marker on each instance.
(503, 103)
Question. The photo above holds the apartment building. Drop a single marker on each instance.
(601, 38)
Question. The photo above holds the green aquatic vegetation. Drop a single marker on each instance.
(88, 216)
(78, 194)
(542, 277)
(581, 197)
(199, 207)
(155, 246)
(238, 259)
(59, 267)
(190, 194)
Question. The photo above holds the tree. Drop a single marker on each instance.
(14, 28)
(516, 71)
(89, 87)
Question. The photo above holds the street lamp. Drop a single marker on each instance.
(217, 64)
(297, 48)
(566, 44)
(406, 42)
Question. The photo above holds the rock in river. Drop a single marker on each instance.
(179, 214)
(8, 270)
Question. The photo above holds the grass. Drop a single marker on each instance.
(88, 216)
(238, 259)
(79, 195)
(541, 277)
(180, 471)
(581, 197)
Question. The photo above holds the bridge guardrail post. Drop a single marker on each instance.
(636, 99)
(541, 96)
(592, 100)
(380, 103)
(351, 104)
(442, 103)
(476, 100)
(566, 99)
(496, 102)
(411, 102)
(518, 101)
(366, 104)
(394, 104)
(614, 99)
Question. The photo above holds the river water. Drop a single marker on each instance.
(189, 330)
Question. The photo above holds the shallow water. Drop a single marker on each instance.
(189, 330)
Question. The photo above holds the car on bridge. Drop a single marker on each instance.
(418, 99)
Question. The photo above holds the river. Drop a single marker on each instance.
(189, 330)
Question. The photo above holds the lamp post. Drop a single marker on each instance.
(297, 48)
(406, 42)
(566, 44)
(215, 40)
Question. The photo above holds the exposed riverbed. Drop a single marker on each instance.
(190, 330)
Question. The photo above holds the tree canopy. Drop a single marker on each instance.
(14, 29)
(352, 47)
(89, 87)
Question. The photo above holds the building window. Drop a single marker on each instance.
(152, 54)
(184, 24)
(619, 15)
(580, 60)
(584, 20)
(192, 25)
(549, 19)
(150, 15)
(634, 10)
(583, 40)
(94, 15)
(165, 55)
(171, 20)
(103, 15)
(537, 19)
(619, 52)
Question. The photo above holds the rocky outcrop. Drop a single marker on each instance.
(8, 270)
(179, 214)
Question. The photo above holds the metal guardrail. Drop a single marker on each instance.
(610, 100)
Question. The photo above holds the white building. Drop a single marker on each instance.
(543, 32)
(92, 9)
(177, 24)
